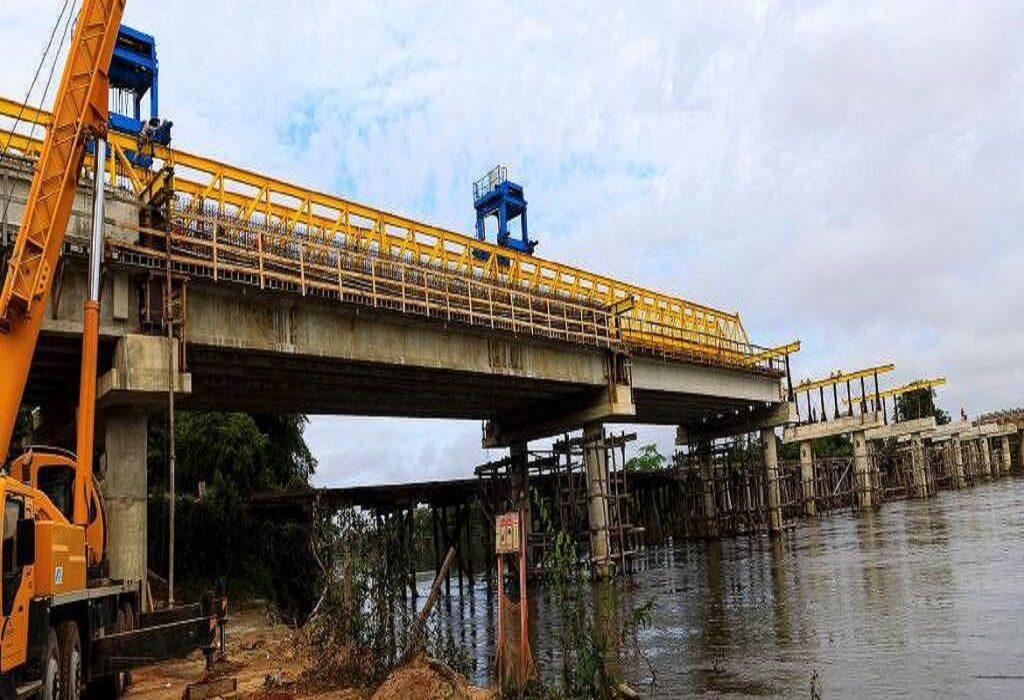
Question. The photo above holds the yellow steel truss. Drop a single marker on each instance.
(319, 224)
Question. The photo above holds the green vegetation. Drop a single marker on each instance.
(222, 459)
(363, 618)
(919, 404)
(647, 460)
(595, 626)
(824, 448)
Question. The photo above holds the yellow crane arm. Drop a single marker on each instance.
(80, 109)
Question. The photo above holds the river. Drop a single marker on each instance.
(921, 598)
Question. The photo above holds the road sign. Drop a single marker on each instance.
(506, 530)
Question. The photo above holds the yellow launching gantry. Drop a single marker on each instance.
(838, 378)
(275, 232)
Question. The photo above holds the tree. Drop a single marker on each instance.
(648, 459)
(919, 403)
(237, 452)
(235, 455)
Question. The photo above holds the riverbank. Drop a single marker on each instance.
(271, 661)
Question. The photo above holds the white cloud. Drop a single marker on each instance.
(846, 174)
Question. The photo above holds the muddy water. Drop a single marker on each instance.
(918, 599)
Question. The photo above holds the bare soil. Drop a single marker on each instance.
(269, 662)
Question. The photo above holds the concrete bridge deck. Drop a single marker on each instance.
(280, 349)
(360, 334)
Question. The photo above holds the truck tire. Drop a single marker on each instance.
(71, 680)
(49, 668)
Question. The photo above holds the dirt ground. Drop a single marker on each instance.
(269, 664)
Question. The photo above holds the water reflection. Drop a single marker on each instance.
(917, 599)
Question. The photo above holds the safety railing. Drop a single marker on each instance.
(694, 346)
(219, 249)
(494, 177)
(273, 217)
(329, 220)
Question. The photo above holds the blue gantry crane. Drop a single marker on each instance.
(134, 73)
(495, 195)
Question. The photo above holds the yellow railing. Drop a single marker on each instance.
(213, 248)
(285, 234)
(324, 221)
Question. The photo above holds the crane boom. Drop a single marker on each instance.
(80, 110)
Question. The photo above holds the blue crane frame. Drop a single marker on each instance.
(495, 195)
(134, 72)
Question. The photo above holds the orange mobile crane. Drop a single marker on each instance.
(64, 623)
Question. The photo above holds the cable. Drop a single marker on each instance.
(53, 67)
(39, 68)
(46, 89)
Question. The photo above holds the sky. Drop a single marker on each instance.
(845, 173)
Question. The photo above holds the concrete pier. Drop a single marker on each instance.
(596, 464)
(917, 467)
(958, 462)
(1004, 446)
(124, 489)
(862, 472)
(771, 466)
(807, 478)
(986, 457)
(707, 478)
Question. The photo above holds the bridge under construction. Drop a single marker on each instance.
(226, 289)
(232, 290)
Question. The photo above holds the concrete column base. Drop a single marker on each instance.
(919, 478)
(124, 491)
(707, 480)
(862, 482)
(986, 458)
(807, 478)
(771, 466)
(596, 463)
(959, 474)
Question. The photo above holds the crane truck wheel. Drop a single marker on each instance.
(70, 660)
(50, 668)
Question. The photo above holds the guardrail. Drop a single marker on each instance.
(278, 234)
